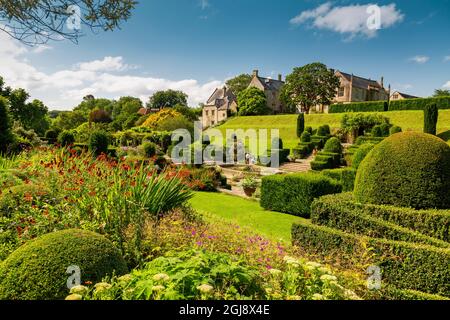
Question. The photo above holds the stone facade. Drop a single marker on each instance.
(401, 96)
(271, 88)
(358, 89)
(221, 103)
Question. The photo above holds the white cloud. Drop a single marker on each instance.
(204, 4)
(447, 59)
(420, 59)
(350, 20)
(41, 48)
(65, 88)
(447, 85)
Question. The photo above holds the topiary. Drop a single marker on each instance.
(406, 170)
(51, 135)
(306, 137)
(66, 138)
(385, 127)
(300, 124)
(37, 270)
(149, 149)
(361, 154)
(99, 142)
(309, 130)
(394, 130)
(333, 145)
(431, 118)
(323, 131)
(377, 131)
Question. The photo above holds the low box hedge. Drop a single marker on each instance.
(326, 211)
(294, 193)
(345, 176)
(419, 104)
(404, 265)
(368, 139)
(370, 106)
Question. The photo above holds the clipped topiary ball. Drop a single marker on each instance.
(361, 154)
(406, 170)
(333, 145)
(37, 270)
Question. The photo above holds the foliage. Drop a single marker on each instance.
(300, 125)
(167, 99)
(311, 85)
(294, 193)
(66, 138)
(306, 137)
(51, 135)
(171, 124)
(419, 104)
(149, 149)
(345, 176)
(69, 120)
(239, 83)
(441, 93)
(190, 114)
(394, 130)
(155, 119)
(41, 264)
(376, 131)
(359, 123)
(252, 102)
(361, 154)
(431, 119)
(99, 142)
(99, 116)
(407, 170)
(250, 182)
(370, 106)
(6, 135)
(333, 145)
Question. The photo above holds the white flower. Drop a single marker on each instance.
(291, 261)
(325, 270)
(158, 288)
(125, 278)
(79, 290)
(205, 288)
(328, 277)
(99, 287)
(275, 271)
(161, 277)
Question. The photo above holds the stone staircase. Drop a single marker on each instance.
(298, 166)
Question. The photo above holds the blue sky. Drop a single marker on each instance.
(195, 45)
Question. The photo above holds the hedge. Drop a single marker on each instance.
(329, 211)
(346, 177)
(419, 104)
(404, 265)
(294, 193)
(368, 139)
(433, 223)
(370, 106)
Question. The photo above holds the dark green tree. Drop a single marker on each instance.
(6, 136)
(300, 124)
(431, 118)
(441, 93)
(167, 99)
(252, 102)
(310, 85)
(239, 83)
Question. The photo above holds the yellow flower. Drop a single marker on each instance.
(318, 296)
(99, 287)
(158, 288)
(161, 277)
(74, 297)
(205, 288)
(125, 278)
(275, 272)
(79, 290)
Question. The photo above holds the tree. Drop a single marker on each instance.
(69, 120)
(6, 136)
(99, 116)
(252, 102)
(441, 93)
(168, 98)
(88, 105)
(239, 83)
(37, 22)
(4, 91)
(431, 118)
(311, 85)
(300, 124)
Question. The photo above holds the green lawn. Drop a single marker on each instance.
(408, 120)
(245, 213)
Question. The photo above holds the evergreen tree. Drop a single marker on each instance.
(431, 119)
(6, 136)
(300, 124)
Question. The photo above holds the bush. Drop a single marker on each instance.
(294, 193)
(309, 130)
(37, 270)
(404, 265)
(149, 149)
(51, 136)
(361, 154)
(406, 170)
(6, 135)
(333, 145)
(377, 131)
(323, 131)
(394, 130)
(431, 119)
(300, 124)
(66, 138)
(346, 177)
(332, 212)
(367, 139)
(371, 106)
(305, 137)
(385, 128)
(99, 142)
(419, 104)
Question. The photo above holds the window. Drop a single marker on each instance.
(341, 92)
(213, 122)
(213, 113)
(395, 96)
(206, 112)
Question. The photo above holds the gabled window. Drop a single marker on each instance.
(341, 92)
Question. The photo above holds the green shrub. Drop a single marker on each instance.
(301, 152)
(294, 193)
(368, 139)
(331, 212)
(300, 124)
(406, 170)
(37, 270)
(322, 164)
(309, 130)
(394, 130)
(371, 106)
(377, 131)
(333, 145)
(385, 128)
(345, 176)
(66, 138)
(99, 142)
(431, 119)
(306, 137)
(51, 135)
(149, 149)
(361, 154)
(404, 265)
(323, 131)
(419, 104)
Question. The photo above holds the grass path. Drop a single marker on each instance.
(245, 213)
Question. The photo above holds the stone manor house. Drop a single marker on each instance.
(223, 102)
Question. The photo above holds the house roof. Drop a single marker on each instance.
(271, 84)
(222, 98)
(361, 82)
(405, 95)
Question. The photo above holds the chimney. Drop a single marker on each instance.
(280, 77)
(382, 82)
(256, 73)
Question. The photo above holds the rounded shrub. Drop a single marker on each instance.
(333, 145)
(149, 149)
(66, 138)
(385, 127)
(361, 154)
(406, 170)
(309, 130)
(99, 142)
(377, 131)
(394, 130)
(51, 135)
(306, 137)
(37, 270)
(323, 131)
